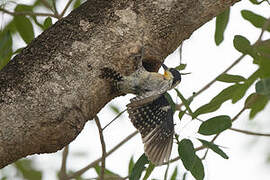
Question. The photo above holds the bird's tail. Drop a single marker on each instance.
(110, 74)
(113, 76)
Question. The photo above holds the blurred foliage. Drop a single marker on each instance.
(22, 169)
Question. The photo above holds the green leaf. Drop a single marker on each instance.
(181, 114)
(190, 160)
(256, 102)
(106, 171)
(221, 24)
(214, 147)
(76, 4)
(47, 23)
(5, 48)
(255, 19)
(217, 101)
(256, 2)
(149, 170)
(242, 44)
(239, 92)
(130, 165)
(234, 92)
(23, 8)
(25, 28)
(184, 176)
(198, 169)
(187, 154)
(28, 171)
(138, 168)
(263, 87)
(229, 78)
(184, 101)
(115, 109)
(174, 174)
(181, 67)
(171, 102)
(258, 106)
(176, 137)
(17, 51)
(23, 24)
(215, 125)
(251, 99)
(10, 27)
(207, 108)
(262, 50)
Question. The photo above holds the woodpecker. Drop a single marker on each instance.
(150, 111)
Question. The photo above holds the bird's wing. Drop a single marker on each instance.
(148, 96)
(154, 121)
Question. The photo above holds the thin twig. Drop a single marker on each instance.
(118, 115)
(46, 4)
(66, 7)
(63, 170)
(103, 145)
(265, 26)
(238, 114)
(207, 149)
(250, 132)
(214, 80)
(94, 163)
(25, 13)
(54, 7)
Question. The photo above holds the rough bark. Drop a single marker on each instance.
(51, 89)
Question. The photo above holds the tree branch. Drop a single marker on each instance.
(250, 132)
(63, 170)
(94, 163)
(213, 81)
(52, 88)
(66, 7)
(103, 145)
(116, 117)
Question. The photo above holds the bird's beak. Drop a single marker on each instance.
(167, 74)
(164, 67)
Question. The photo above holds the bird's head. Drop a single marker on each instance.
(172, 74)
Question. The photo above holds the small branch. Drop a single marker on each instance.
(238, 114)
(63, 170)
(265, 26)
(118, 115)
(54, 7)
(46, 4)
(25, 13)
(214, 80)
(103, 145)
(83, 170)
(66, 7)
(250, 133)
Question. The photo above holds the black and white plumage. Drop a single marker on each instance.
(154, 120)
(149, 111)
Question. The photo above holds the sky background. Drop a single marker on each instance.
(247, 154)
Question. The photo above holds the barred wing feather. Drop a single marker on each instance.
(154, 120)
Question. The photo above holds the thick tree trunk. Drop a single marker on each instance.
(51, 89)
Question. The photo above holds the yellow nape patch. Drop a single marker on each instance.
(167, 75)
